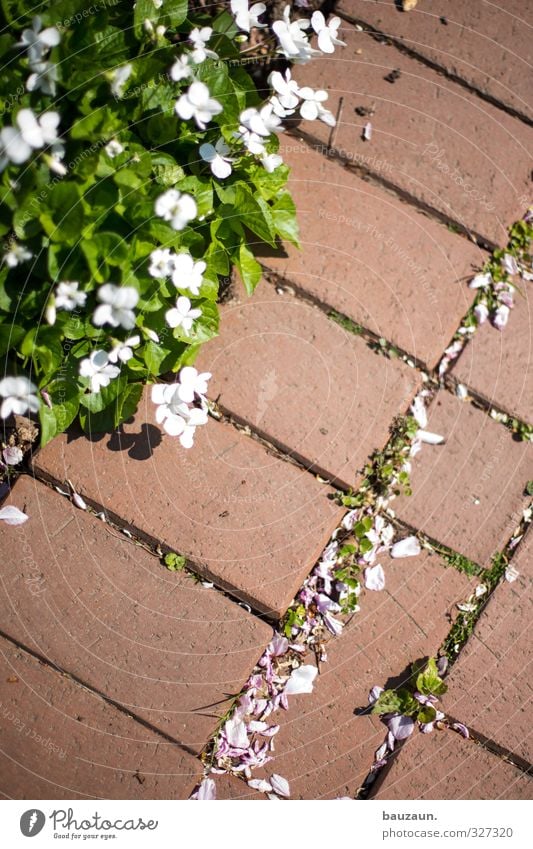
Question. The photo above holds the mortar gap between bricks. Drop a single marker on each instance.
(377, 344)
(412, 53)
(400, 194)
(64, 673)
(135, 536)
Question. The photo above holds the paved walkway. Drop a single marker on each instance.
(114, 670)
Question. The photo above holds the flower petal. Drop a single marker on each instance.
(408, 547)
(401, 727)
(301, 680)
(280, 785)
(12, 515)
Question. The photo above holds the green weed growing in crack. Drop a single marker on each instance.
(469, 612)
(453, 559)
(386, 473)
(174, 562)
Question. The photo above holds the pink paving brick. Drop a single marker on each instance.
(469, 492)
(486, 44)
(251, 522)
(490, 685)
(79, 594)
(323, 748)
(405, 282)
(435, 141)
(443, 765)
(313, 387)
(59, 740)
(499, 366)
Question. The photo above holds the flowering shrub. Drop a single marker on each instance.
(138, 166)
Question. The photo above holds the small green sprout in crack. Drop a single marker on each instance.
(387, 472)
(174, 562)
(529, 488)
(523, 431)
(452, 558)
(346, 323)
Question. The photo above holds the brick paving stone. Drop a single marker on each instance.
(469, 492)
(443, 765)
(59, 740)
(251, 522)
(307, 383)
(89, 601)
(486, 45)
(490, 685)
(406, 283)
(323, 748)
(431, 138)
(499, 366)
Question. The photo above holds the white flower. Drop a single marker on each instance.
(16, 254)
(286, 88)
(197, 103)
(177, 208)
(192, 384)
(271, 161)
(199, 39)
(246, 18)
(120, 78)
(67, 296)
(252, 142)
(217, 156)
(327, 32)
(38, 42)
(123, 350)
(293, 40)
(188, 273)
(113, 148)
(43, 78)
(33, 133)
(19, 396)
(161, 262)
(117, 306)
(174, 414)
(501, 316)
(98, 369)
(181, 69)
(182, 315)
(312, 108)
(480, 281)
(262, 121)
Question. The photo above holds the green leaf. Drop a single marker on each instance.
(254, 213)
(174, 562)
(205, 327)
(64, 220)
(396, 701)
(64, 395)
(427, 713)
(284, 217)
(248, 268)
(10, 336)
(95, 402)
(429, 681)
(127, 402)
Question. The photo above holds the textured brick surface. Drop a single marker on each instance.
(323, 748)
(299, 377)
(405, 282)
(253, 523)
(443, 765)
(490, 685)
(469, 492)
(60, 741)
(88, 600)
(499, 366)
(431, 138)
(486, 44)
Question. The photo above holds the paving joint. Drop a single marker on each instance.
(412, 53)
